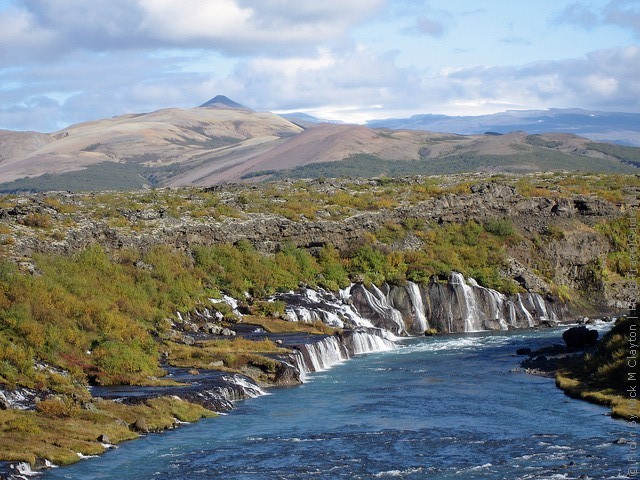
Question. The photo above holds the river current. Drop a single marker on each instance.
(449, 407)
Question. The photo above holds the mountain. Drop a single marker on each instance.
(622, 128)
(223, 141)
(220, 101)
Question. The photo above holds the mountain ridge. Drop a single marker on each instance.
(223, 141)
(615, 127)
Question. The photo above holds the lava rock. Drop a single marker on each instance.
(581, 337)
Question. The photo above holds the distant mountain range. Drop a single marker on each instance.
(621, 128)
(223, 141)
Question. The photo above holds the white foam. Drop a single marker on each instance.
(398, 473)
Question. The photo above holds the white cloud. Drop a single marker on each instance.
(352, 77)
(21, 34)
(188, 20)
(608, 79)
(64, 61)
(279, 27)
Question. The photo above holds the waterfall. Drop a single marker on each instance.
(321, 355)
(541, 308)
(418, 306)
(524, 311)
(379, 304)
(471, 314)
(325, 353)
(311, 306)
(365, 342)
(496, 304)
(249, 389)
(232, 302)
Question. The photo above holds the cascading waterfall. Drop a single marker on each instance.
(463, 305)
(541, 308)
(379, 303)
(250, 389)
(319, 356)
(471, 313)
(365, 342)
(319, 305)
(324, 354)
(524, 311)
(418, 306)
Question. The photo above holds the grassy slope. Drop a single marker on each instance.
(606, 376)
(532, 155)
(542, 159)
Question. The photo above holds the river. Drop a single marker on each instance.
(449, 407)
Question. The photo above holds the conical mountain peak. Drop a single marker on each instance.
(221, 101)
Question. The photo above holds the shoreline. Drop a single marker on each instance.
(574, 372)
(143, 428)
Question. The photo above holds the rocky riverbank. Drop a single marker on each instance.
(599, 371)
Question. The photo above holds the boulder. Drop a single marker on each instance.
(4, 403)
(212, 328)
(228, 332)
(190, 327)
(140, 425)
(581, 337)
(491, 324)
(104, 438)
(523, 351)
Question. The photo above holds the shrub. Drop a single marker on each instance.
(500, 227)
(37, 220)
(58, 407)
(269, 309)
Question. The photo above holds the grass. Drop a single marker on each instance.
(606, 376)
(621, 405)
(101, 176)
(29, 435)
(540, 157)
(238, 355)
(275, 325)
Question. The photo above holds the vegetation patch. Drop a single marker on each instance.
(275, 325)
(28, 435)
(603, 376)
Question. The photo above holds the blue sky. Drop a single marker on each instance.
(67, 61)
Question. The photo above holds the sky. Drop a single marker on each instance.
(68, 61)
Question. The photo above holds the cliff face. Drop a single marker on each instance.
(458, 305)
(558, 243)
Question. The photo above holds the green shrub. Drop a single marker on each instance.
(269, 309)
(500, 227)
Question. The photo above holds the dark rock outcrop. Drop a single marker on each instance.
(580, 337)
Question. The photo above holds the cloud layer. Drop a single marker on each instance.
(67, 61)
